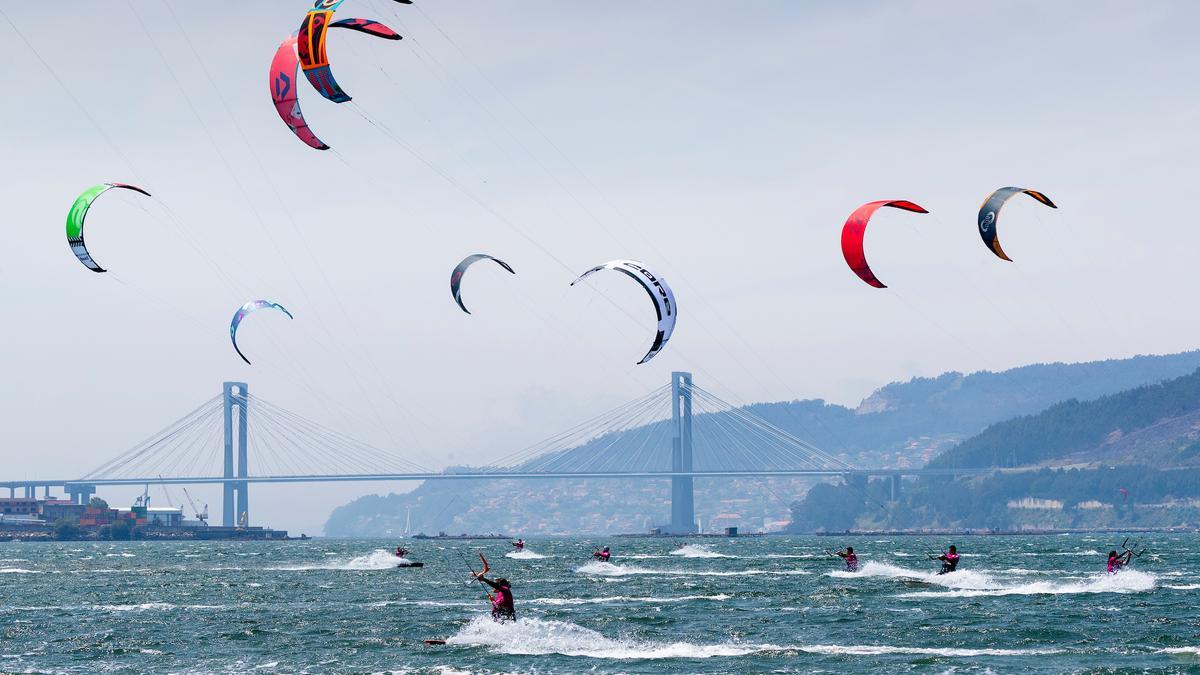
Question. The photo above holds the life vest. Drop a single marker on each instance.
(502, 604)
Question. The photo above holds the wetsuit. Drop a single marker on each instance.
(949, 563)
(502, 601)
(1117, 562)
(851, 562)
(400, 553)
(520, 545)
(603, 556)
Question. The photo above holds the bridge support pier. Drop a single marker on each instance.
(683, 505)
(897, 482)
(79, 493)
(236, 499)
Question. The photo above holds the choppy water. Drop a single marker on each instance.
(742, 605)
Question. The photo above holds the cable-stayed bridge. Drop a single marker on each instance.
(679, 431)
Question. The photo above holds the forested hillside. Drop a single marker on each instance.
(1088, 431)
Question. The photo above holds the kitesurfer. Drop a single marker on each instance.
(401, 552)
(1117, 561)
(850, 558)
(949, 560)
(502, 600)
(519, 545)
(602, 555)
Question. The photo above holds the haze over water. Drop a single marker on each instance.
(777, 604)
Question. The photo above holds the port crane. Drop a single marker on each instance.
(165, 493)
(202, 517)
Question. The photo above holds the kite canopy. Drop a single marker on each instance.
(285, 70)
(989, 213)
(658, 290)
(457, 275)
(253, 305)
(856, 228)
(78, 213)
(310, 45)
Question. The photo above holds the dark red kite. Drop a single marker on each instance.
(854, 230)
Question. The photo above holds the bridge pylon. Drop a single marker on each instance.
(236, 502)
(683, 504)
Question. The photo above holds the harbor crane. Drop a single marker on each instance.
(202, 517)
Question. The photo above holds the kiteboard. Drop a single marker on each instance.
(435, 642)
(410, 564)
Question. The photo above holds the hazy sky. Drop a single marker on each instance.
(723, 143)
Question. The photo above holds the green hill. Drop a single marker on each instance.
(1126, 459)
(1160, 417)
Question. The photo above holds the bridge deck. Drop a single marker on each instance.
(340, 478)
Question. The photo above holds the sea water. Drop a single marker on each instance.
(763, 604)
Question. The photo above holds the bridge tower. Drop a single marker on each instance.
(235, 490)
(683, 505)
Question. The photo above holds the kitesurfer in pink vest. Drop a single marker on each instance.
(1117, 561)
(502, 599)
(602, 555)
(949, 560)
(850, 558)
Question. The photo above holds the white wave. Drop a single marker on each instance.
(18, 570)
(151, 652)
(695, 551)
(536, 637)
(603, 569)
(425, 603)
(375, 560)
(1187, 654)
(720, 597)
(1128, 581)
(141, 607)
(1183, 587)
(133, 608)
(874, 650)
(120, 555)
(967, 579)
(525, 554)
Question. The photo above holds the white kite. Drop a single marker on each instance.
(660, 293)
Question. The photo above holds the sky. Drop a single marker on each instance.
(722, 144)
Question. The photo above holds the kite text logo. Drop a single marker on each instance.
(988, 219)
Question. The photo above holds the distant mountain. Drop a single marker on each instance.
(901, 424)
(907, 424)
(1154, 425)
(1124, 459)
